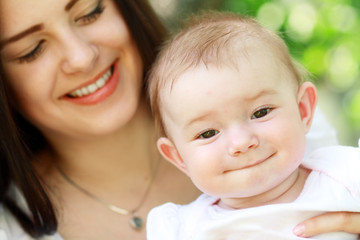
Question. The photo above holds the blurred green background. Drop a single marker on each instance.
(323, 35)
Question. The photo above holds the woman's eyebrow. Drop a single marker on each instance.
(32, 29)
(70, 5)
(21, 35)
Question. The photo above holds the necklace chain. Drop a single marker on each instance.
(136, 222)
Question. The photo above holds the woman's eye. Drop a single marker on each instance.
(92, 16)
(260, 113)
(208, 134)
(31, 56)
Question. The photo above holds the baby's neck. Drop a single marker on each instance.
(287, 192)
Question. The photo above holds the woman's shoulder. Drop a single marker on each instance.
(9, 226)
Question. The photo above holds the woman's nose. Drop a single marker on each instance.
(241, 140)
(79, 54)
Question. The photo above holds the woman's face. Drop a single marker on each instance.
(72, 65)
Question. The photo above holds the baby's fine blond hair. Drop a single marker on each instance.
(214, 39)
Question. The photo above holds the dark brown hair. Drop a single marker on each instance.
(20, 140)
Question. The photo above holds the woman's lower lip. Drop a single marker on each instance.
(101, 94)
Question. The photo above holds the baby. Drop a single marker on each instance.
(233, 111)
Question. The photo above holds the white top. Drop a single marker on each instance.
(332, 185)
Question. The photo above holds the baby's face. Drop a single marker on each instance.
(238, 131)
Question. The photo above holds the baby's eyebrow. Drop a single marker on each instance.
(198, 119)
(209, 114)
(261, 93)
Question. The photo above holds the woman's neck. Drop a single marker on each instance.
(119, 156)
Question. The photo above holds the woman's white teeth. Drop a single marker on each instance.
(92, 87)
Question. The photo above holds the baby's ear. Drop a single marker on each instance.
(169, 152)
(307, 98)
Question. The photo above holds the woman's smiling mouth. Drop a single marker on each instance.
(91, 88)
(97, 90)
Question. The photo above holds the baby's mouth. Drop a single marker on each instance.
(91, 88)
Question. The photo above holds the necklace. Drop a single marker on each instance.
(135, 222)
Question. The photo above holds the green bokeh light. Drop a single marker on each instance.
(272, 15)
(342, 67)
(353, 109)
(302, 21)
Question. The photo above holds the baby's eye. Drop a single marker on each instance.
(208, 134)
(261, 113)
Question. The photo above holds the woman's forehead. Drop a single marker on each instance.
(18, 15)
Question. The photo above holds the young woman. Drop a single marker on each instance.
(77, 150)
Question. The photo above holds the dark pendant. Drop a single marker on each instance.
(136, 223)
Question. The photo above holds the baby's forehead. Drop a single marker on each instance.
(193, 82)
(233, 58)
